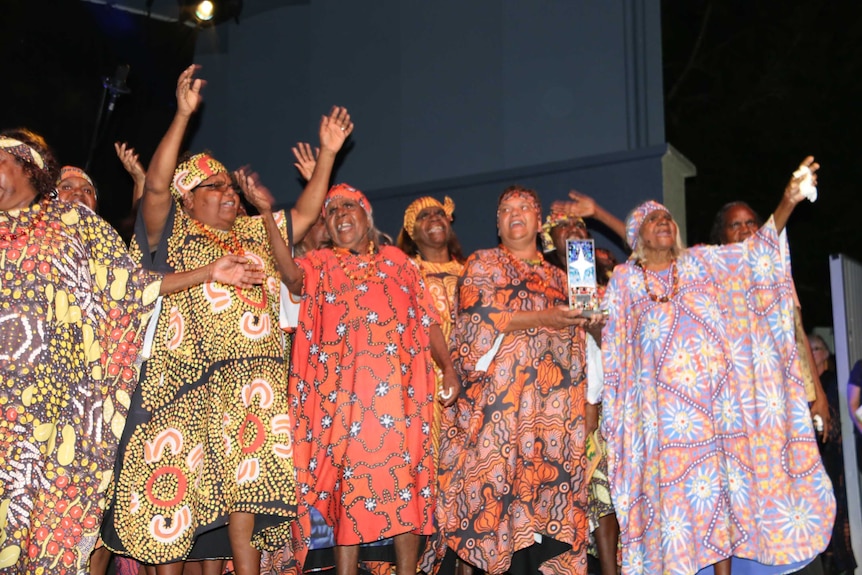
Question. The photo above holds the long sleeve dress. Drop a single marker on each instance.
(711, 448)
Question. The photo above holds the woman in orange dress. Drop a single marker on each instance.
(362, 385)
(512, 478)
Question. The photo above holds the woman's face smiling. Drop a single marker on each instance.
(214, 202)
(347, 224)
(432, 228)
(517, 219)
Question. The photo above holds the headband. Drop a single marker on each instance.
(346, 192)
(419, 204)
(193, 171)
(74, 172)
(636, 218)
(22, 151)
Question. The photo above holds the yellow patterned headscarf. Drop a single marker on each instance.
(22, 151)
(194, 171)
(419, 204)
(553, 220)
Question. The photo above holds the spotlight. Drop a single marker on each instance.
(210, 12)
(204, 11)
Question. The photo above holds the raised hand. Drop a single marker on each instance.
(254, 191)
(189, 91)
(305, 159)
(236, 271)
(334, 129)
(129, 158)
(580, 206)
(803, 182)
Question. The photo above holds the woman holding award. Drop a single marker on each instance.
(512, 488)
(712, 458)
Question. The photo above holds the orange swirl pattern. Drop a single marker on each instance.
(512, 454)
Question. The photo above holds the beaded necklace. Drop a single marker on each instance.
(368, 269)
(674, 288)
(22, 232)
(234, 247)
(532, 275)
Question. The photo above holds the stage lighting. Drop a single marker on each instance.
(204, 11)
(209, 12)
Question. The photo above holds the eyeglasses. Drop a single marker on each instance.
(217, 187)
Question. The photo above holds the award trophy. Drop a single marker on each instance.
(581, 271)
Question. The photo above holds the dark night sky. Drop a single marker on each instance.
(751, 89)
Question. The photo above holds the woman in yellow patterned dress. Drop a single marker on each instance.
(428, 238)
(208, 458)
(71, 306)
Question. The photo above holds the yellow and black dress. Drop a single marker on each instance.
(209, 430)
(72, 303)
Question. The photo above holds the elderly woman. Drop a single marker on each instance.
(361, 385)
(512, 486)
(207, 463)
(711, 452)
(72, 307)
(736, 222)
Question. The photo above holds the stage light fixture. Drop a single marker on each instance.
(204, 11)
(209, 12)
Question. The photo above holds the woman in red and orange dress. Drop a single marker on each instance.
(362, 385)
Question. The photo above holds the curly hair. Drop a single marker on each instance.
(42, 179)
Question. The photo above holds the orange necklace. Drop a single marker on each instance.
(234, 247)
(367, 269)
(22, 232)
(532, 275)
(674, 288)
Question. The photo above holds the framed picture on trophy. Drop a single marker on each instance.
(581, 273)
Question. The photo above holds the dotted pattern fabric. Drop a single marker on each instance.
(72, 302)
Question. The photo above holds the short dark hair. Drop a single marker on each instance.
(716, 236)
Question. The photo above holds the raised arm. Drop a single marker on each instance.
(129, 158)
(156, 201)
(795, 191)
(334, 130)
(305, 159)
(583, 206)
(260, 197)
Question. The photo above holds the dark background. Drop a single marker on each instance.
(751, 88)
